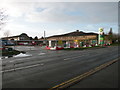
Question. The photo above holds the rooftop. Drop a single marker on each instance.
(75, 33)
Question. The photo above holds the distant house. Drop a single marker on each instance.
(21, 39)
(22, 36)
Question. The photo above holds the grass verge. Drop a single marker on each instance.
(83, 48)
(10, 53)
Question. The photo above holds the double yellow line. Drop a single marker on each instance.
(82, 76)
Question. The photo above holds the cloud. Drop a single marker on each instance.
(17, 29)
(55, 32)
(88, 13)
(65, 12)
(89, 27)
(60, 0)
(74, 13)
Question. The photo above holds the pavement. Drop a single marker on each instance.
(106, 78)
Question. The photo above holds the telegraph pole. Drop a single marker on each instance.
(44, 38)
(44, 35)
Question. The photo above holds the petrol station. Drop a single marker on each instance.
(78, 39)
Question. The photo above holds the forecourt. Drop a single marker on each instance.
(46, 69)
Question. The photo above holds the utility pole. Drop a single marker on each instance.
(44, 35)
(44, 38)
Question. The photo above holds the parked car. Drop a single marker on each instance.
(2, 48)
(23, 43)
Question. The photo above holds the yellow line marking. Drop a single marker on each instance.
(78, 78)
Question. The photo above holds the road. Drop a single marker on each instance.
(45, 69)
(106, 78)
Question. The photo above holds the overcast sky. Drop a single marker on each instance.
(55, 18)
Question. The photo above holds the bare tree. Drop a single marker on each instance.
(3, 17)
(7, 33)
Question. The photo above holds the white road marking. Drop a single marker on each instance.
(42, 64)
(41, 54)
(66, 58)
(19, 59)
(73, 57)
(22, 68)
(12, 61)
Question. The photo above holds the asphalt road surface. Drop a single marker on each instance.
(45, 69)
(106, 78)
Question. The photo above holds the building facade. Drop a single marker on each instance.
(22, 36)
(77, 38)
